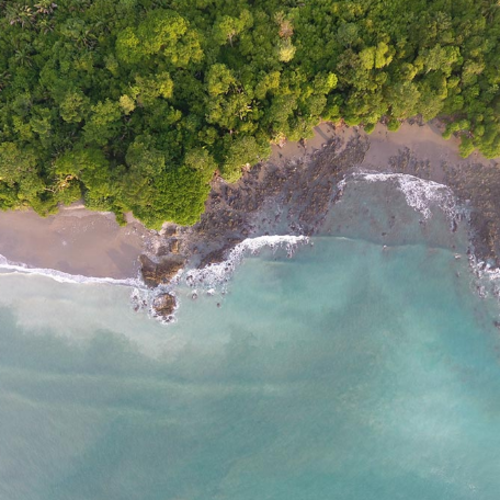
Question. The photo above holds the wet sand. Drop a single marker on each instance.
(75, 241)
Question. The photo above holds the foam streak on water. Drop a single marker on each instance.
(62, 277)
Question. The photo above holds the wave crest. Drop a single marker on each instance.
(419, 193)
(214, 275)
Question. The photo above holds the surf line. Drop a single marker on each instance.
(62, 277)
(216, 274)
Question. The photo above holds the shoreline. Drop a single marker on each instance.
(75, 241)
(290, 194)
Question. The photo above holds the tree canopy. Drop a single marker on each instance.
(134, 104)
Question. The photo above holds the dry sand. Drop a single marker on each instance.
(75, 241)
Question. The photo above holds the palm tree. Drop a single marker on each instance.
(490, 9)
(45, 25)
(4, 77)
(45, 7)
(19, 15)
(23, 58)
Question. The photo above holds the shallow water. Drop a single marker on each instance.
(351, 371)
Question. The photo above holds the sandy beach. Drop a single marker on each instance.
(301, 176)
(75, 241)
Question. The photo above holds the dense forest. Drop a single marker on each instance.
(134, 104)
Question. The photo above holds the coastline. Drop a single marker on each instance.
(289, 194)
(292, 191)
(76, 241)
(420, 150)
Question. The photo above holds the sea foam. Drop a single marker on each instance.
(487, 277)
(209, 278)
(420, 194)
(214, 275)
(213, 278)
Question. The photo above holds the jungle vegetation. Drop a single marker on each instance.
(134, 104)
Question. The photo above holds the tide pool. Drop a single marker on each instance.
(353, 371)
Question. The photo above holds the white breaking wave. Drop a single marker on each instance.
(61, 277)
(212, 278)
(209, 277)
(419, 193)
(488, 277)
(217, 274)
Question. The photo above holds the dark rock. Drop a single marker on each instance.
(164, 305)
(213, 257)
(171, 246)
(162, 251)
(174, 246)
(161, 273)
(170, 230)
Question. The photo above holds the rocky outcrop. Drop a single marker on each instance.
(164, 305)
(162, 272)
(274, 197)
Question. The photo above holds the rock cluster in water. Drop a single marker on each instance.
(164, 305)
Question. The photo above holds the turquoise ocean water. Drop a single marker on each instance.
(352, 371)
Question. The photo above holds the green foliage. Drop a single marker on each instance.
(241, 151)
(286, 50)
(369, 128)
(227, 28)
(393, 125)
(466, 147)
(134, 105)
(219, 80)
